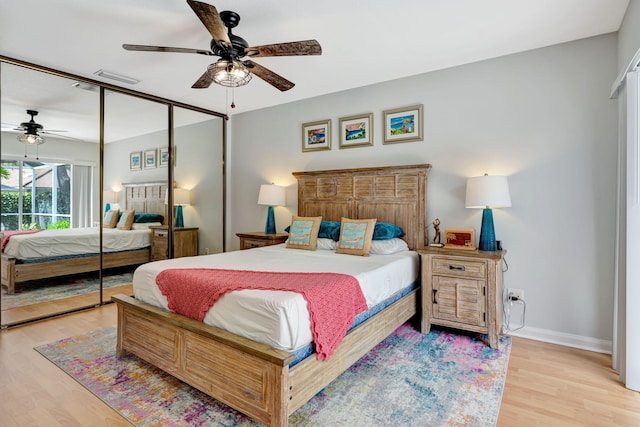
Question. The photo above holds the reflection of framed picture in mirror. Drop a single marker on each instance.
(135, 161)
(150, 159)
(163, 156)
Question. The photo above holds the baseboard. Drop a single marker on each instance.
(569, 340)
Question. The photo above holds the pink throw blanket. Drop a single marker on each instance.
(333, 299)
(6, 235)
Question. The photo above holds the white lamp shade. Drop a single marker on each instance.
(181, 196)
(271, 195)
(109, 196)
(488, 191)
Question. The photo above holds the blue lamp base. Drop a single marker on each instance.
(179, 219)
(107, 207)
(487, 232)
(270, 225)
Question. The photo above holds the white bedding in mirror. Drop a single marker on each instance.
(74, 241)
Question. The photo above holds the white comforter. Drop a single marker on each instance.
(75, 241)
(279, 318)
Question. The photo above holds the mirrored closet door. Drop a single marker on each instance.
(50, 164)
(126, 177)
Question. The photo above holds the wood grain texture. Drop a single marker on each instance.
(547, 384)
(463, 290)
(390, 194)
(269, 392)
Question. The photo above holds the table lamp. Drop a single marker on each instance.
(487, 192)
(108, 197)
(181, 197)
(271, 195)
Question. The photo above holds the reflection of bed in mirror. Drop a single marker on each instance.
(263, 380)
(77, 250)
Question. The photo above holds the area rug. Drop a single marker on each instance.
(410, 379)
(45, 290)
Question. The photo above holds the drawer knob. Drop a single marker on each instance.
(456, 267)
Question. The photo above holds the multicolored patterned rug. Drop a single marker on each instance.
(45, 290)
(410, 379)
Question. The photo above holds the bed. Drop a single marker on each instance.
(53, 253)
(258, 379)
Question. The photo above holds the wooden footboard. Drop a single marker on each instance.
(251, 377)
(13, 272)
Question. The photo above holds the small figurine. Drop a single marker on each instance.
(436, 238)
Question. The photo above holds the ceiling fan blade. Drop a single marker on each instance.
(304, 47)
(203, 82)
(139, 47)
(269, 76)
(61, 136)
(211, 20)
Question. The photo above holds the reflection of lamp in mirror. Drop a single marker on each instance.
(271, 195)
(108, 197)
(181, 197)
(487, 192)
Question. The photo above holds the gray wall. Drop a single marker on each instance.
(541, 117)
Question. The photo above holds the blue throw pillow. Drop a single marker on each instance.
(385, 230)
(328, 230)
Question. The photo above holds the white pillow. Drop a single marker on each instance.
(388, 247)
(328, 244)
(144, 225)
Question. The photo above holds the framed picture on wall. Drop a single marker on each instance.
(163, 156)
(403, 124)
(135, 161)
(316, 136)
(356, 131)
(150, 159)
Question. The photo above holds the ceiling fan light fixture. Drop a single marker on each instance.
(229, 73)
(31, 139)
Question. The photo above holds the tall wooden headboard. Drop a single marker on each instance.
(395, 194)
(146, 197)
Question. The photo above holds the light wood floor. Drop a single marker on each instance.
(547, 385)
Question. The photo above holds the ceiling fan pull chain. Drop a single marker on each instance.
(233, 98)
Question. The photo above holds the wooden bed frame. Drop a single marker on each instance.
(143, 197)
(255, 378)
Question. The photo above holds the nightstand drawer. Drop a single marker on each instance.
(460, 268)
(160, 233)
(248, 243)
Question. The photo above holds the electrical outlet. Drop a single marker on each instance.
(206, 251)
(516, 294)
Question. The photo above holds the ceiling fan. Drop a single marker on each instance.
(231, 70)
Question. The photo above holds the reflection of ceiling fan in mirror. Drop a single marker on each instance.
(32, 131)
(230, 70)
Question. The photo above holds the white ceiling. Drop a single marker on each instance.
(363, 41)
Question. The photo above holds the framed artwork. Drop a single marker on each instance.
(150, 159)
(163, 156)
(356, 131)
(316, 136)
(403, 124)
(460, 238)
(135, 161)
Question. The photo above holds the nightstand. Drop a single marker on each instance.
(185, 242)
(462, 290)
(256, 239)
